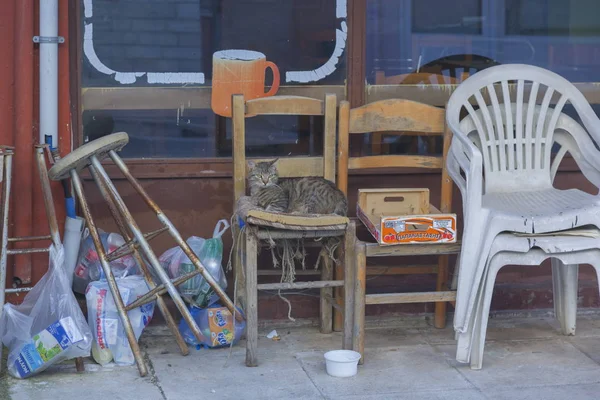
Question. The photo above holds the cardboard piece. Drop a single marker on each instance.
(404, 216)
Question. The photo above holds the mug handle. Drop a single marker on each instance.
(276, 78)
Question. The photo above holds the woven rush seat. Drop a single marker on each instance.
(253, 215)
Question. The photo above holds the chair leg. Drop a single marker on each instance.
(251, 271)
(326, 308)
(6, 179)
(50, 215)
(339, 274)
(482, 315)
(359, 300)
(237, 264)
(149, 254)
(441, 285)
(349, 282)
(122, 226)
(565, 284)
(112, 284)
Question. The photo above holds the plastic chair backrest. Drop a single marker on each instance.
(518, 107)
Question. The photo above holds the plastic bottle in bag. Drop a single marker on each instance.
(211, 256)
(191, 287)
(210, 253)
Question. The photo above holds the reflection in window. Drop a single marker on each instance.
(191, 134)
(131, 44)
(435, 16)
(426, 43)
(552, 17)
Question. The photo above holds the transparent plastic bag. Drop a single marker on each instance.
(210, 253)
(88, 266)
(48, 327)
(216, 325)
(110, 340)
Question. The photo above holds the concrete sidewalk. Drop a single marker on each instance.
(525, 358)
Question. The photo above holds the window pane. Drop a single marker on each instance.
(131, 47)
(552, 17)
(464, 16)
(426, 43)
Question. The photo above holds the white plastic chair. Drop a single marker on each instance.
(566, 252)
(504, 150)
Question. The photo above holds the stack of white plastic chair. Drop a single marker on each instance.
(503, 147)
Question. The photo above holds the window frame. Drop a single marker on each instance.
(355, 90)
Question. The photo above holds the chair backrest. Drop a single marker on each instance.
(288, 167)
(389, 116)
(514, 110)
(416, 78)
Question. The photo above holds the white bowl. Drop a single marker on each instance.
(342, 363)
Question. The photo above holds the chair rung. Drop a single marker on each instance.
(277, 272)
(402, 270)
(29, 238)
(266, 234)
(402, 298)
(159, 291)
(299, 285)
(27, 251)
(153, 234)
(128, 248)
(375, 250)
(120, 252)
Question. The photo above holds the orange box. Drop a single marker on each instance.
(404, 216)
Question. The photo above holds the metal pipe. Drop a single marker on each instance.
(160, 302)
(7, 176)
(103, 179)
(49, 71)
(18, 290)
(175, 235)
(135, 348)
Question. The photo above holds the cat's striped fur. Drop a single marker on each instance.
(309, 195)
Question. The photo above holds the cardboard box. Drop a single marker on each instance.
(404, 216)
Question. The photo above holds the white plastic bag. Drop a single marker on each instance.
(48, 327)
(110, 340)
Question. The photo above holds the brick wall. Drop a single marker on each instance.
(149, 36)
(181, 35)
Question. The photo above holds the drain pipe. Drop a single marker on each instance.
(49, 41)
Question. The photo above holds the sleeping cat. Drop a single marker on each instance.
(309, 195)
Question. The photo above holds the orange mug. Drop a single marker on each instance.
(239, 72)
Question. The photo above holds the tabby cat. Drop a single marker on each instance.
(309, 195)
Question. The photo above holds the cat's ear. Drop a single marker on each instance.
(273, 162)
(251, 164)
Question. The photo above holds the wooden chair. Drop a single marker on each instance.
(396, 115)
(415, 78)
(261, 225)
